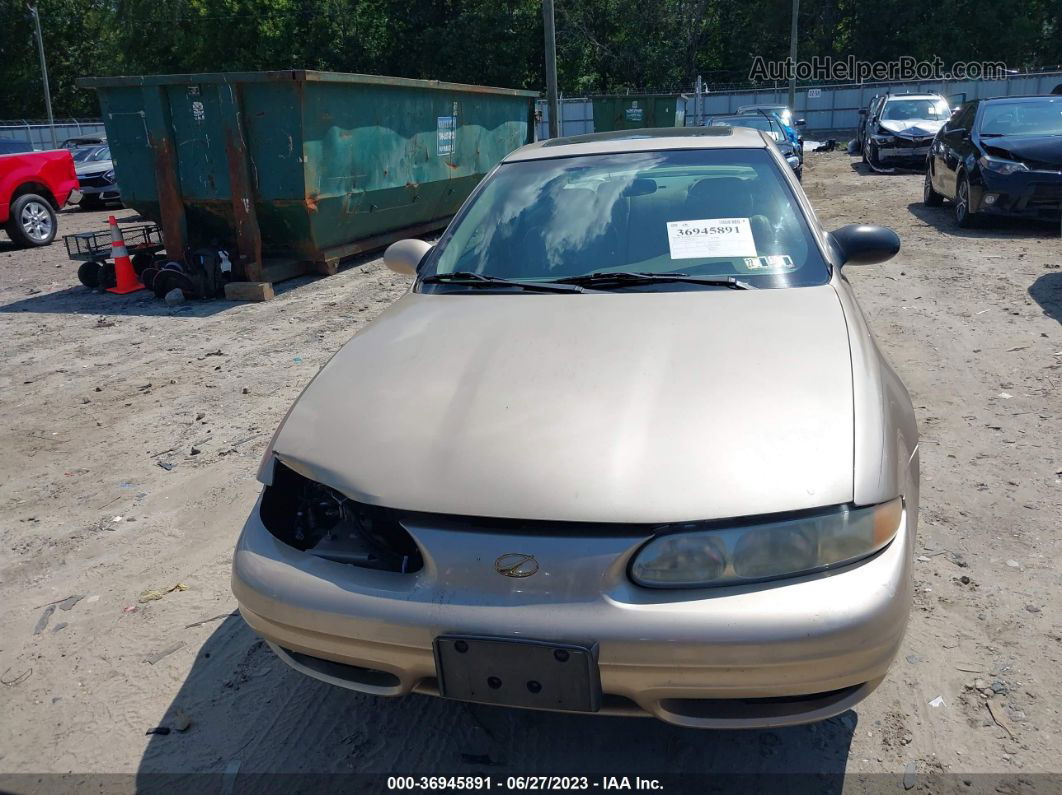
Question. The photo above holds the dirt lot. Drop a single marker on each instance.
(132, 432)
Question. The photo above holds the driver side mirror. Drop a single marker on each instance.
(864, 244)
(406, 255)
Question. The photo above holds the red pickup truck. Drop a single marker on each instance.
(33, 185)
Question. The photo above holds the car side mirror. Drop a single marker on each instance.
(864, 244)
(862, 111)
(406, 255)
(801, 122)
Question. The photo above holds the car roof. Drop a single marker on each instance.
(912, 96)
(1023, 98)
(646, 140)
(737, 118)
(761, 107)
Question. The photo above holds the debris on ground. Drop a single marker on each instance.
(212, 618)
(151, 659)
(17, 680)
(937, 702)
(909, 775)
(999, 716)
(163, 730)
(154, 595)
(42, 622)
(182, 721)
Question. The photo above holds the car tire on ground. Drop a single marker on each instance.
(930, 198)
(88, 273)
(963, 217)
(32, 221)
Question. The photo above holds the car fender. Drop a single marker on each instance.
(885, 432)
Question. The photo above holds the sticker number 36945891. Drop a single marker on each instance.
(711, 237)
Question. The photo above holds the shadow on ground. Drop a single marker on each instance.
(1047, 292)
(943, 220)
(253, 718)
(79, 300)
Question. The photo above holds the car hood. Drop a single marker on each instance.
(612, 407)
(1038, 150)
(912, 128)
(94, 168)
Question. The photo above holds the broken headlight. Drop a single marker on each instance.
(321, 521)
(711, 554)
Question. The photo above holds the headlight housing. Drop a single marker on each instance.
(1001, 166)
(108, 176)
(711, 554)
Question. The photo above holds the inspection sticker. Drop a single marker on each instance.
(773, 262)
(711, 237)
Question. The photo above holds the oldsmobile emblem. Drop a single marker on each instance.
(516, 564)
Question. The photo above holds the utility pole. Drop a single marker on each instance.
(44, 73)
(551, 68)
(793, 56)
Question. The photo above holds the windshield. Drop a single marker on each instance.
(915, 109)
(1042, 117)
(702, 212)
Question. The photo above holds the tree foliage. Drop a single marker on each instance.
(603, 45)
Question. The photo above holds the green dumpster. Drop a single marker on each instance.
(296, 168)
(635, 111)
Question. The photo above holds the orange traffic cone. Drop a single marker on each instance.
(124, 275)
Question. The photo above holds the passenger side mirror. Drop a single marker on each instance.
(863, 244)
(406, 255)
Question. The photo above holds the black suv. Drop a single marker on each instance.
(1000, 156)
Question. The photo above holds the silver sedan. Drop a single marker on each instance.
(627, 446)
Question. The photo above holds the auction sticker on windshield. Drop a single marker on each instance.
(711, 237)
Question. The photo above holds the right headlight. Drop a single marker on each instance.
(699, 556)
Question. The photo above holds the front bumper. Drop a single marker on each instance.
(743, 656)
(903, 150)
(1032, 194)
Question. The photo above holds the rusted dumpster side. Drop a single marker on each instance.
(299, 166)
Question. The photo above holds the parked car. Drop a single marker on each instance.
(999, 156)
(790, 124)
(626, 446)
(33, 186)
(897, 129)
(11, 146)
(85, 140)
(95, 173)
(772, 125)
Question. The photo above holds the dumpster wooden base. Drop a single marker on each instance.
(328, 262)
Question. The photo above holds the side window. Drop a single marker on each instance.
(963, 120)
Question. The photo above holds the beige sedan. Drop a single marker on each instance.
(626, 447)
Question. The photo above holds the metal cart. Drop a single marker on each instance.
(93, 249)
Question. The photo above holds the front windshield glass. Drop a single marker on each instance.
(702, 212)
(1042, 117)
(915, 109)
(80, 155)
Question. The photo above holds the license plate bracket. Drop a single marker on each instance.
(518, 673)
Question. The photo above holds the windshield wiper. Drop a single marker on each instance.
(470, 279)
(629, 279)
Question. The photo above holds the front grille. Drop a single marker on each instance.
(1046, 195)
(95, 181)
(912, 143)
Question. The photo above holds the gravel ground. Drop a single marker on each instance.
(133, 431)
